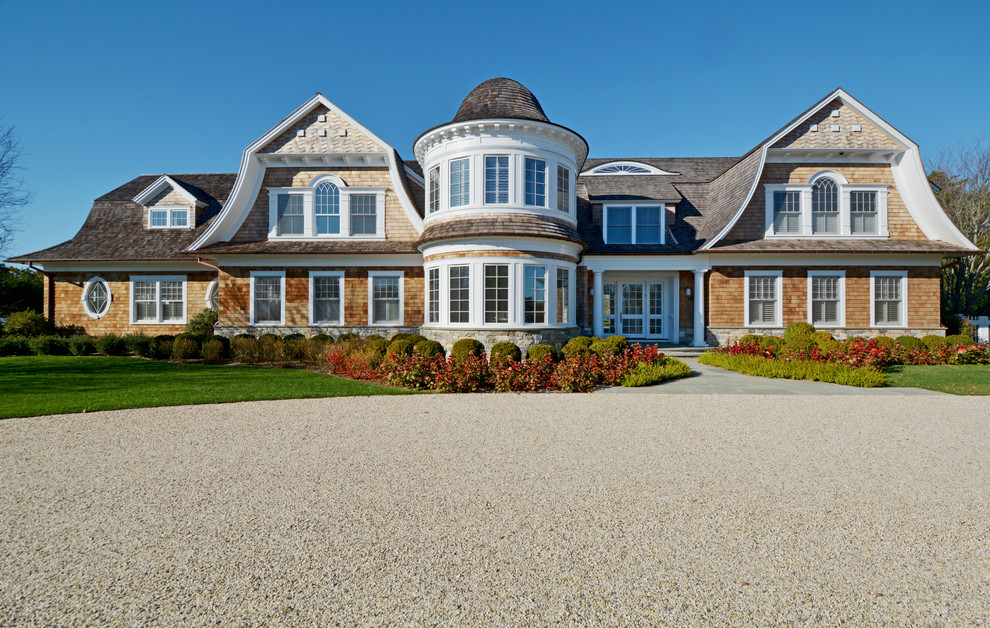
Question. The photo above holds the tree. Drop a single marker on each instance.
(20, 289)
(962, 175)
(12, 193)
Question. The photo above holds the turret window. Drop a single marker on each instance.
(536, 182)
(434, 189)
(460, 182)
(563, 189)
(496, 179)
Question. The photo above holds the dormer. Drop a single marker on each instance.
(169, 205)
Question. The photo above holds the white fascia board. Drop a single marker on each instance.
(815, 260)
(918, 197)
(108, 266)
(469, 244)
(161, 183)
(329, 261)
(645, 262)
(251, 173)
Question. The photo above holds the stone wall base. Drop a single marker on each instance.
(489, 337)
(723, 335)
(311, 330)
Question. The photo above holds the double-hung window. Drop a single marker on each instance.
(636, 224)
(385, 297)
(168, 218)
(326, 293)
(863, 213)
(434, 190)
(763, 298)
(433, 295)
(534, 294)
(267, 297)
(496, 179)
(787, 212)
(460, 182)
(459, 278)
(826, 296)
(563, 189)
(158, 299)
(496, 293)
(291, 218)
(563, 295)
(364, 214)
(535, 194)
(888, 294)
(326, 205)
(825, 206)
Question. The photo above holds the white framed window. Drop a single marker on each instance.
(563, 189)
(158, 299)
(762, 299)
(496, 293)
(535, 178)
(326, 297)
(433, 295)
(168, 218)
(434, 189)
(326, 209)
(459, 287)
(608, 308)
(96, 297)
(460, 182)
(385, 297)
(826, 206)
(496, 179)
(534, 294)
(267, 297)
(563, 296)
(212, 296)
(633, 224)
(888, 298)
(827, 298)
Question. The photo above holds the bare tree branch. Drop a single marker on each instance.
(13, 196)
(963, 174)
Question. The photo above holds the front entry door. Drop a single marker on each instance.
(641, 310)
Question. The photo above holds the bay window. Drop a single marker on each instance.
(534, 294)
(496, 293)
(433, 295)
(563, 295)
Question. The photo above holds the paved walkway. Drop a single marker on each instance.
(712, 380)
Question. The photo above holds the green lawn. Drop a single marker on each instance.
(31, 386)
(958, 379)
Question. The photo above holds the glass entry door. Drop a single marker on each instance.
(641, 310)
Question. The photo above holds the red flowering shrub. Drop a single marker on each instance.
(350, 360)
(577, 374)
(974, 354)
(530, 375)
(412, 371)
(471, 374)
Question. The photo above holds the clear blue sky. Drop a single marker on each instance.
(101, 92)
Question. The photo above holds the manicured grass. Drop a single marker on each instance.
(31, 386)
(958, 379)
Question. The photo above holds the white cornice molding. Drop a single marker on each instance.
(499, 126)
(160, 184)
(338, 160)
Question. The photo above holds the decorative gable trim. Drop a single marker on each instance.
(160, 184)
(908, 171)
(252, 170)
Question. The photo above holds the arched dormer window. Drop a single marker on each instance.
(624, 168)
(326, 204)
(825, 206)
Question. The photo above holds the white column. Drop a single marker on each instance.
(699, 309)
(598, 306)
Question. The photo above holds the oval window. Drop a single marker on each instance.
(96, 297)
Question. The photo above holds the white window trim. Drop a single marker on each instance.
(309, 211)
(546, 182)
(85, 293)
(635, 211)
(268, 273)
(570, 187)
(168, 209)
(426, 294)
(470, 183)
(841, 274)
(484, 179)
(371, 296)
(778, 275)
(213, 285)
(903, 310)
(804, 191)
(158, 279)
(339, 275)
(445, 292)
(434, 197)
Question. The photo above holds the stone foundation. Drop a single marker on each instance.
(312, 330)
(722, 335)
(489, 337)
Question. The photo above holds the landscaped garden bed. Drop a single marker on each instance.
(805, 353)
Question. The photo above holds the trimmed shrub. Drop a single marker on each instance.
(25, 323)
(579, 347)
(375, 347)
(314, 349)
(823, 338)
(138, 344)
(861, 376)
(609, 347)
(650, 374)
(465, 348)
(539, 352)
(583, 340)
(49, 345)
(244, 349)
(852, 339)
(934, 342)
(750, 339)
(959, 340)
(322, 339)
(346, 337)
(429, 349)
(111, 344)
(82, 345)
(400, 347)
(415, 339)
(213, 350)
(14, 345)
(67, 331)
(400, 336)
(910, 343)
(161, 347)
(202, 323)
(886, 341)
(505, 351)
(801, 345)
(772, 343)
(293, 347)
(224, 343)
(185, 347)
(798, 330)
(270, 348)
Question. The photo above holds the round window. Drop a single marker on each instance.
(96, 297)
(213, 295)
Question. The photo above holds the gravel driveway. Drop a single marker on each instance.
(482, 509)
